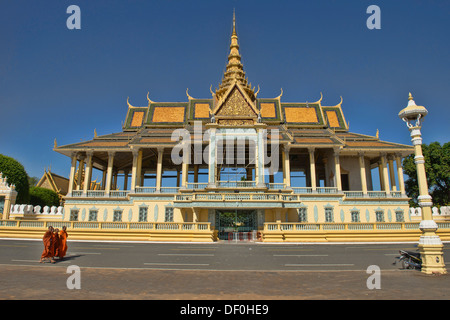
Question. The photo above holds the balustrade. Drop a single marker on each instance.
(327, 226)
(202, 226)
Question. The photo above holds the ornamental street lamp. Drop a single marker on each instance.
(430, 245)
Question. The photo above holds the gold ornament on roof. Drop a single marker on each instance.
(234, 70)
(148, 99)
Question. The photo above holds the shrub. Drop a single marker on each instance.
(43, 197)
(15, 173)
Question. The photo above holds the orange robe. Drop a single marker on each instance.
(62, 243)
(55, 245)
(48, 245)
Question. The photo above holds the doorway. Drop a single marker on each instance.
(235, 223)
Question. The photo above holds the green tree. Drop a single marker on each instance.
(15, 173)
(437, 167)
(43, 197)
(33, 181)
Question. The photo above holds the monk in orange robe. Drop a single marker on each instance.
(55, 240)
(48, 246)
(62, 243)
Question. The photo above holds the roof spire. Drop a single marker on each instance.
(235, 69)
(234, 23)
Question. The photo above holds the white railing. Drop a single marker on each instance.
(95, 193)
(145, 190)
(169, 189)
(327, 226)
(236, 184)
(302, 190)
(321, 190)
(236, 197)
(354, 194)
(197, 185)
(35, 210)
(377, 194)
(97, 225)
(99, 194)
(276, 186)
(118, 194)
(372, 194)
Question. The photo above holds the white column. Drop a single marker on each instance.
(73, 168)
(286, 166)
(337, 170)
(134, 168)
(392, 173)
(212, 158)
(87, 174)
(401, 182)
(185, 166)
(125, 180)
(385, 174)
(362, 170)
(380, 174)
(312, 169)
(109, 172)
(139, 178)
(80, 172)
(260, 152)
(159, 169)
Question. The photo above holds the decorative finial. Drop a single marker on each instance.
(256, 94)
(189, 97)
(410, 96)
(95, 133)
(377, 135)
(128, 103)
(321, 97)
(55, 144)
(280, 94)
(234, 22)
(148, 99)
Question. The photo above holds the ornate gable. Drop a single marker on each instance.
(236, 108)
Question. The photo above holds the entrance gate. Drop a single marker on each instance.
(236, 224)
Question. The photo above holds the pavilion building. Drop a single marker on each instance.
(236, 161)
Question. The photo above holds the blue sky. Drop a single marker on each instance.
(63, 84)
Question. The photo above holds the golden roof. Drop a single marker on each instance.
(235, 69)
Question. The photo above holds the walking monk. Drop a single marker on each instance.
(48, 246)
(62, 243)
(55, 240)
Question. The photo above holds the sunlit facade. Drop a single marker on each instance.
(235, 162)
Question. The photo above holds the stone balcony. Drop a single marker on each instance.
(237, 190)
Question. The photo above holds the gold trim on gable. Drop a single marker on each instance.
(236, 105)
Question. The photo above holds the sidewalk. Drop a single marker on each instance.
(46, 281)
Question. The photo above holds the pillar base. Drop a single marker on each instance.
(431, 249)
(432, 258)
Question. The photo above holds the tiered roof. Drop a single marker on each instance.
(235, 104)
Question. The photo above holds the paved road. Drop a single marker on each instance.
(214, 271)
(213, 256)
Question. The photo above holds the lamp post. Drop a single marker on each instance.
(430, 245)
